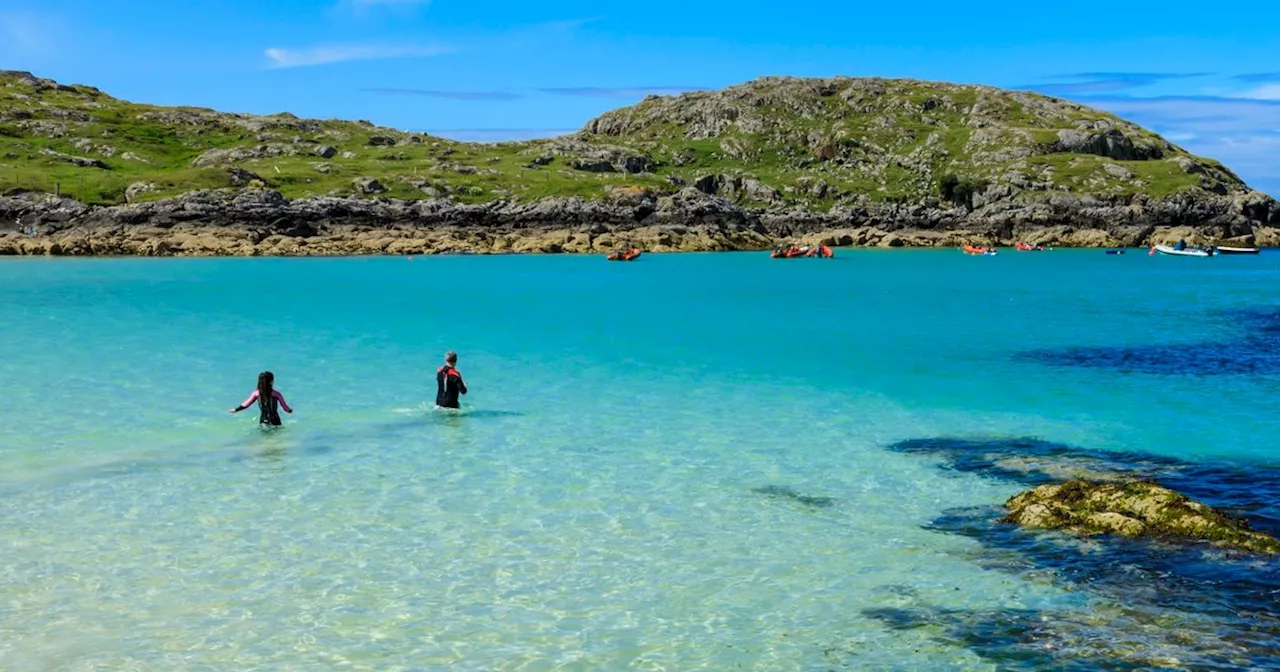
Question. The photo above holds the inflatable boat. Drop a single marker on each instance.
(624, 255)
(789, 253)
(820, 252)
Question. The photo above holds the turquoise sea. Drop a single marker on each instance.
(702, 461)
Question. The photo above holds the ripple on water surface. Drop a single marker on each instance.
(674, 464)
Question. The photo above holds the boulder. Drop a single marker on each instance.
(368, 185)
(758, 191)
(326, 151)
(243, 178)
(593, 165)
(1111, 143)
(602, 158)
(223, 157)
(1117, 171)
(1132, 509)
(136, 189)
(80, 161)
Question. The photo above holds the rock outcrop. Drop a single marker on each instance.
(844, 161)
(687, 220)
(1132, 509)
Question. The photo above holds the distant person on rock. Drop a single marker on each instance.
(449, 382)
(270, 401)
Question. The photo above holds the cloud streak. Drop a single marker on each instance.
(500, 96)
(279, 57)
(1107, 82)
(622, 92)
(1266, 92)
(1258, 77)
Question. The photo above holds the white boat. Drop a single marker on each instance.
(1238, 250)
(1189, 252)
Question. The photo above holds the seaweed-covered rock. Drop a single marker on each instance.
(1132, 509)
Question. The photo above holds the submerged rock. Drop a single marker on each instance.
(783, 492)
(1132, 509)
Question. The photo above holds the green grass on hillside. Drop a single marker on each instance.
(895, 146)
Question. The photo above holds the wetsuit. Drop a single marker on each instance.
(269, 408)
(448, 386)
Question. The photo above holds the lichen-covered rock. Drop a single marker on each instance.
(1132, 509)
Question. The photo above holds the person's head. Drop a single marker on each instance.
(451, 358)
(266, 380)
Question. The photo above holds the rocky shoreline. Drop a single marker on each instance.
(260, 222)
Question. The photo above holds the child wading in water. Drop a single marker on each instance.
(269, 400)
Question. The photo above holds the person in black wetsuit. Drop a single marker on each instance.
(449, 382)
(270, 401)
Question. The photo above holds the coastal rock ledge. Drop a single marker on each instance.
(263, 222)
(1132, 509)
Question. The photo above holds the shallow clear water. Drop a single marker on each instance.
(597, 505)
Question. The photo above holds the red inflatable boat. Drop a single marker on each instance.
(624, 255)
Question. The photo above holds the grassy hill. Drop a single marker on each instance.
(774, 142)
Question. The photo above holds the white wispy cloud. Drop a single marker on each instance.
(1265, 92)
(280, 57)
(1243, 132)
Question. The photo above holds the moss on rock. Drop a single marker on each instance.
(1132, 509)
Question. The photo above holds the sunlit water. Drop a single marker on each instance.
(638, 477)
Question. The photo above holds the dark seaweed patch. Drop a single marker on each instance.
(1250, 355)
(1207, 596)
(1256, 351)
(1025, 639)
(1200, 606)
(1247, 490)
(783, 492)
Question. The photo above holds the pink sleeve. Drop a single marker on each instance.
(252, 398)
(280, 397)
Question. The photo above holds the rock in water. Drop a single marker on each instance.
(783, 492)
(1132, 509)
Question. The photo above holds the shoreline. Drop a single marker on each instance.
(389, 255)
(198, 240)
(253, 223)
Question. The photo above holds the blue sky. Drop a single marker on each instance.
(490, 69)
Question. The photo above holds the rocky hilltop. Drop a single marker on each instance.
(848, 161)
